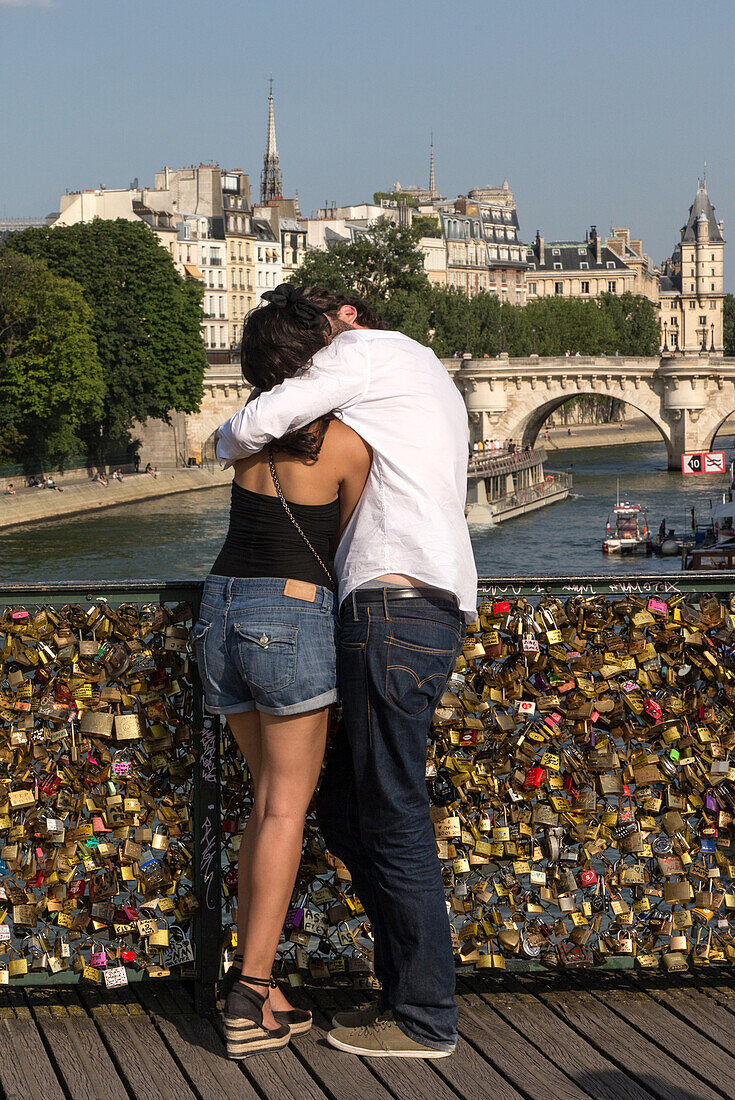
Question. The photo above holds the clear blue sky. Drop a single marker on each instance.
(595, 112)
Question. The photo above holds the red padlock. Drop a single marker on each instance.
(230, 825)
(652, 708)
(467, 738)
(588, 877)
(569, 786)
(231, 879)
(127, 956)
(502, 607)
(534, 777)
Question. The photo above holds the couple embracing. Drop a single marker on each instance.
(346, 575)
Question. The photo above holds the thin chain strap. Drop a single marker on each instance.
(291, 516)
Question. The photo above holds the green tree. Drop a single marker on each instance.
(728, 324)
(146, 320)
(51, 381)
(378, 264)
(426, 225)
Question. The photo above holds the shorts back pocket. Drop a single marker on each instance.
(267, 654)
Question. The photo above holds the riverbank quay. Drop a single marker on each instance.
(79, 497)
(636, 429)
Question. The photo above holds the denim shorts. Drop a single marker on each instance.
(258, 649)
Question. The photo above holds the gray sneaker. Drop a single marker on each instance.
(356, 1017)
(381, 1039)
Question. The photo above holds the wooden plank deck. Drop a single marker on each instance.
(584, 1036)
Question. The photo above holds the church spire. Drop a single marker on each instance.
(432, 178)
(271, 183)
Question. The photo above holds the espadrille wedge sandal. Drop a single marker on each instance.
(298, 1020)
(245, 1033)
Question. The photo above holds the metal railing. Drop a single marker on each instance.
(585, 595)
(554, 484)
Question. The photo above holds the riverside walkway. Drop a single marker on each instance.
(541, 1037)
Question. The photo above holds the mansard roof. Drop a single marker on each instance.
(701, 205)
(571, 255)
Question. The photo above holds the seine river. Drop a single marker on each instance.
(177, 538)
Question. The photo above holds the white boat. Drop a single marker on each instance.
(627, 530)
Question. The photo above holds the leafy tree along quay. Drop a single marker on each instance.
(51, 382)
(385, 266)
(146, 321)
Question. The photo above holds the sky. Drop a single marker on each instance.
(596, 113)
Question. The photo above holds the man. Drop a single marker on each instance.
(407, 581)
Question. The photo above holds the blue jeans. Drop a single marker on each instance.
(395, 658)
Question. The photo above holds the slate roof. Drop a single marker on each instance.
(666, 285)
(263, 230)
(701, 205)
(572, 254)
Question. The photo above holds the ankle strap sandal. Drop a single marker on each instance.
(245, 1033)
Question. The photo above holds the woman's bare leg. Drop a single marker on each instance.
(290, 752)
(247, 736)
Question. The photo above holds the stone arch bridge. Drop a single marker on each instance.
(687, 398)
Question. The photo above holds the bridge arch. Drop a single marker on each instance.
(530, 427)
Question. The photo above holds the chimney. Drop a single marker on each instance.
(597, 242)
(540, 247)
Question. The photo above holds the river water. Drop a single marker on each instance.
(177, 537)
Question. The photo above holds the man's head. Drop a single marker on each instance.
(280, 338)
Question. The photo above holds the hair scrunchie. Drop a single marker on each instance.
(287, 296)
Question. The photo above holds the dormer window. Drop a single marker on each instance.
(611, 263)
(584, 266)
(555, 252)
(581, 251)
(557, 267)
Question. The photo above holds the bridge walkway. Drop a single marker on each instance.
(619, 1036)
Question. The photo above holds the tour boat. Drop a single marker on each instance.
(627, 530)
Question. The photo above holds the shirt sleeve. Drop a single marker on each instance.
(338, 378)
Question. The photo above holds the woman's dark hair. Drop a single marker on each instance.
(280, 338)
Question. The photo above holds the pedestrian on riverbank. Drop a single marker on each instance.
(404, 596)
(117, 475)
(10, 491)
(136, 463)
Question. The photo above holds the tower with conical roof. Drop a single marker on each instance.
(271, 182)
(691, 287)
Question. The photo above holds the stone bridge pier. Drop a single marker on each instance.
(687, 398)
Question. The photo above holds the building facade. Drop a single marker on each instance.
(483, 248)
(267, 261)
(692, 283)
(239, 252)
(575, 269)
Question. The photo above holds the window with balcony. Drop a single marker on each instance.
(558, 288)
(585, 286)
(612, 286)
(531, 288)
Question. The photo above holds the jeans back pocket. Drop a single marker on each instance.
(267, 654)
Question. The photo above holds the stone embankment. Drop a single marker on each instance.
(39, 505)
(635, 430)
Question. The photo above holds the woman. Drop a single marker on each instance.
(266, 652)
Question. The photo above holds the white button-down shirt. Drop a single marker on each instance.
(398, 397)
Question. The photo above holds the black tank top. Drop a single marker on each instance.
(263, 542)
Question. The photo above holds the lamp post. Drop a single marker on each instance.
(712, 340)
(666, 339)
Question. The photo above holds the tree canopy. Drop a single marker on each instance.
(51, 382)
(385, 266)
(146, 320)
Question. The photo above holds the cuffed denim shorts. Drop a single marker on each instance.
(258, 649)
